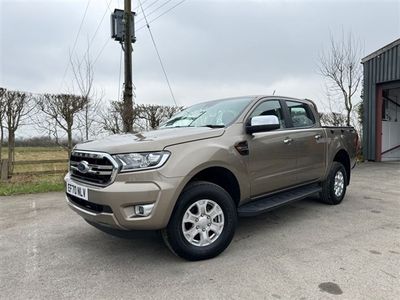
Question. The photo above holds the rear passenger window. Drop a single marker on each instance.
(269, 108)
(300, 114)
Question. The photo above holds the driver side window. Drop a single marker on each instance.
(270, 108)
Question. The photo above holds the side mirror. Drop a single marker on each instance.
(262, 123)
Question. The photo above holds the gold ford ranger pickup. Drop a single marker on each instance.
(206, 166)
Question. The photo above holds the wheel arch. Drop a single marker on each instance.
(222, 177)
(343, 157)
(219, 175)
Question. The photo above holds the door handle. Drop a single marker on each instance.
(317, 136)
(287, 140)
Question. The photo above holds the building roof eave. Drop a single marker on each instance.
(380, 51)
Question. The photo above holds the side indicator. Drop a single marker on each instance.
(242, 148)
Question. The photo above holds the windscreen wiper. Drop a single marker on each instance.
(213, 126)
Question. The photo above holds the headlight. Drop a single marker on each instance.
(141, 161)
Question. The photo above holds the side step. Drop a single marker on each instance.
(271, 202)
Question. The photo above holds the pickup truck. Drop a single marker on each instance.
(206, 166)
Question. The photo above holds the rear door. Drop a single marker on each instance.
(272, 155)
(309, 140)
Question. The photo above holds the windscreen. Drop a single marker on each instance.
(218, 113)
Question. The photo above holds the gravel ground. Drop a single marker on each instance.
(306, 250)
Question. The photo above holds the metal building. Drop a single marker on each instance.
(382, 103)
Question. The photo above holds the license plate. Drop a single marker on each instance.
(77, 190)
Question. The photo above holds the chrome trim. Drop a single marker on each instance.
(99, 167)
(90, 171)
(98, 155)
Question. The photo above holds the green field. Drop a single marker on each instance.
(35, 183)
(37, 153)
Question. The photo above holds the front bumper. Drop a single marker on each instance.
(112, 205)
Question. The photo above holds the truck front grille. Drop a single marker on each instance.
(92, 167)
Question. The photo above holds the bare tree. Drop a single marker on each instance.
(2, 112)
(145, 116)
(111, 118)
(16, 107)
(332, 119)
(333, 112)
(172, 110)
(83, 78)
(63, 110)
(154, 114)
(357, 117)
(342, 69)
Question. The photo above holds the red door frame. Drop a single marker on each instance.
(378, 126)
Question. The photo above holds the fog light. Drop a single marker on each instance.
(143, 210)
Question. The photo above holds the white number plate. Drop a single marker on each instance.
(77, 190)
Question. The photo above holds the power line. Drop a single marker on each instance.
(148, 6)
(153, 11)
(159, 16)
(140, 28)
(95, 33)
(137, 6)
(101, 22)
(108, 5)
(101, 51)
(108, 39)
(75, 42)
(158, 54)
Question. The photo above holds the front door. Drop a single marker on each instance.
(272, 155)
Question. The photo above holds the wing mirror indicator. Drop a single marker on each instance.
(262, 124)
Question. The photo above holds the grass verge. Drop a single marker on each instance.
(32, 184)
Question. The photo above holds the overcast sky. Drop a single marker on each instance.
(211, 49)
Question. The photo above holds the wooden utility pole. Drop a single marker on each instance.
(128, 102)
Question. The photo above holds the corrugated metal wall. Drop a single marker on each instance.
(380, 69)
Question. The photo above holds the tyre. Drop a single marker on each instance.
(203, 222)
(334, 187)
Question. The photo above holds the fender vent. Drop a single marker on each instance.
(242, 148)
